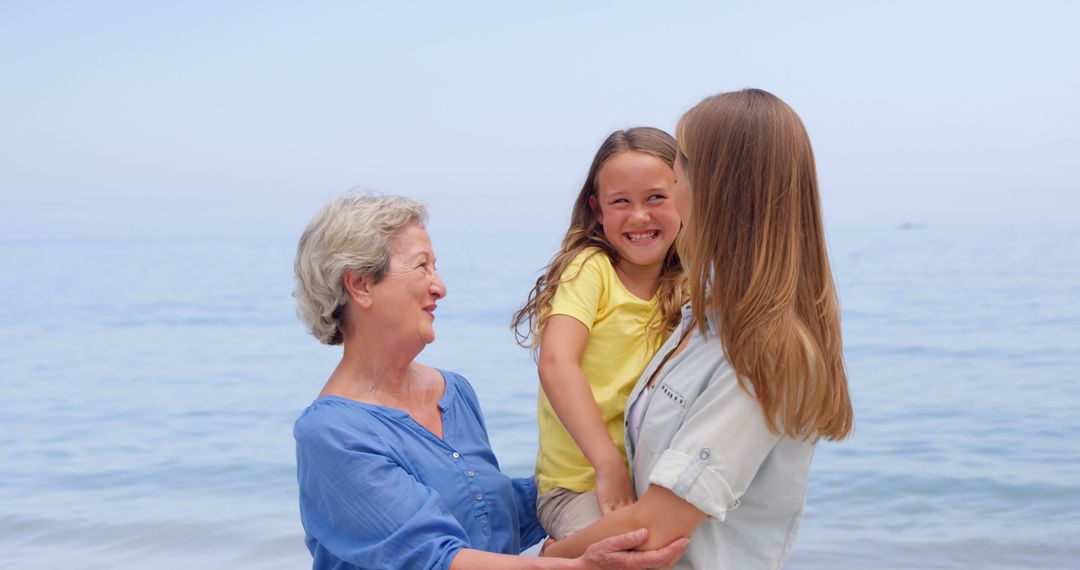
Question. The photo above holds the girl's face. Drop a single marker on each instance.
(634, 204)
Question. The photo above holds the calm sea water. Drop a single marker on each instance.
(149, 389)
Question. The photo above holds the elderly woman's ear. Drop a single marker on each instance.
(358, 286)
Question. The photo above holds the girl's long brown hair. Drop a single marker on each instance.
(587, 232)
(754, 251)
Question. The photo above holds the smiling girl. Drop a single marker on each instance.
(599, 312)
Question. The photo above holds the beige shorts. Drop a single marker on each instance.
(563, 512)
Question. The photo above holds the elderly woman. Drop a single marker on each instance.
(393, 459)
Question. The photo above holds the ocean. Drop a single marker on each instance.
(149, 388)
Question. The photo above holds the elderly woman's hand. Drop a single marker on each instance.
(614, 553)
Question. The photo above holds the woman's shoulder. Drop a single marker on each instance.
(704, 352)
(460, 394)
(712, 322)
(336, 422)
(457, 386)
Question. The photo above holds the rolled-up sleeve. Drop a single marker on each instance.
(365, 509)
(718, 449)
(528, 524)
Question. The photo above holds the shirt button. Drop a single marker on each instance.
(704, 455)
(471, 474)
(479, 497)
(455, 455)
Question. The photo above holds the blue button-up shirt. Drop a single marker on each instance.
(378, 490)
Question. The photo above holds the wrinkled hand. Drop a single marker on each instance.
(614, 553)
(614, 490)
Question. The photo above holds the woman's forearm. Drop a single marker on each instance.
(666, 516)
(617, 522)
(471, 559)
(617, 552)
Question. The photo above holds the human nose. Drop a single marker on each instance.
(438, 288)
(639, 215)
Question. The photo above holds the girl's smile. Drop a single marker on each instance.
(634, 204)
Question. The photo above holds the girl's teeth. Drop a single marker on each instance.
(641, 236)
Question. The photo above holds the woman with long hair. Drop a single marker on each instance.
(722, 425)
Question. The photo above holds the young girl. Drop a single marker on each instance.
(602, 308)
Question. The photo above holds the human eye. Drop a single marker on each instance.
(654, 197)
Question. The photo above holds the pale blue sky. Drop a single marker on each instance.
(241, 118)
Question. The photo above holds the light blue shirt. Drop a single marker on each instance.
(378, 490)
(705, 438)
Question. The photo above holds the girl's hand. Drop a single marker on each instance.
(613, 488)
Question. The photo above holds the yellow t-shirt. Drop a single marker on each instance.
(616, 354)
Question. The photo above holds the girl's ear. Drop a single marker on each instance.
(358, 287)
(596, 209)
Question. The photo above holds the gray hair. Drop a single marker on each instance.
(351, 233)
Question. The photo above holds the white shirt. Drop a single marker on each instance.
(704, 438)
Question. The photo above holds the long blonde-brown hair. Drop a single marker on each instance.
(756, 262)
(587, 232)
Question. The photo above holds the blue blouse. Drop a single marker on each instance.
(378, 490)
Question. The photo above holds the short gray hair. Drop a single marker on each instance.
(350, 233)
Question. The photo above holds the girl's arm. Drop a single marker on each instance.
(666, 516)
(610, 554)
(561, 346)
